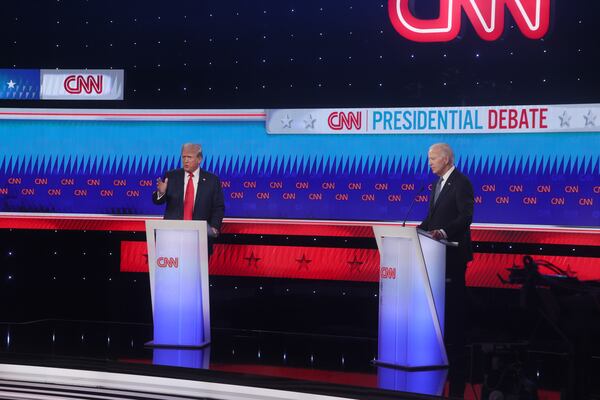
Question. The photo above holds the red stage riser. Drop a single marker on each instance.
(321, 263)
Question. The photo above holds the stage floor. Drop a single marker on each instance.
(301, 365)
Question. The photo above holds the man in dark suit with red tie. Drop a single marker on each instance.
(449, 217)
(192, 193)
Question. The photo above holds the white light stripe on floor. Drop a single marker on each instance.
(141, 385)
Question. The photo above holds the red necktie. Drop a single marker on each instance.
(188, 201)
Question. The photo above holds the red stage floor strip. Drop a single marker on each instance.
(313, 375)
(484, 232)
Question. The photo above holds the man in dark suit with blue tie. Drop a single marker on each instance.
(192, 193)
(449, 217)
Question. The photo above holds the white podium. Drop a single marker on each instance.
(411, 298)
(178, 266)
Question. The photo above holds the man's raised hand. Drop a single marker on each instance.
(161, 186)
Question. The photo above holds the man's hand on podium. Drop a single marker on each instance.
(212, 231)
(437, 234)
(161, 186)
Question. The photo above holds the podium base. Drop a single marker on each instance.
(407, 368)
(152, 344)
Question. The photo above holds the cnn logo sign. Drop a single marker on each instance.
(388, 273)
(345, 120)
(487, 17)
(170, 262)
(76, 84)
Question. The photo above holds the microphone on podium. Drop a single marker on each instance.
(412, 203)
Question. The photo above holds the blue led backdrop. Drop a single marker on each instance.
(110, 167)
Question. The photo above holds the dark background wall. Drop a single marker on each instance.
(315, 53)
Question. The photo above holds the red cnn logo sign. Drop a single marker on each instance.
(342, 120)
(487, 17)
(171, 262)
(388, 273)
(75, 84)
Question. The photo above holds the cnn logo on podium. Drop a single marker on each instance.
(167, 262)
(388, 273)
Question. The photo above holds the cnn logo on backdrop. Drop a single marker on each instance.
(532, 17)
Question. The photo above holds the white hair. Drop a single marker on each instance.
(445, 149)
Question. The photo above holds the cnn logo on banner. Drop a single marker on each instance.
(170, 262)
(75, 84)
(345, 120)
(487, 17)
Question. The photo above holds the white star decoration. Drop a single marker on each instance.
(11, 84)
(590, 119)
(310, 122)
(287, 121)
(565, 119)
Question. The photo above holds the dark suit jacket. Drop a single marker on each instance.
(453, 212)
(209, 205)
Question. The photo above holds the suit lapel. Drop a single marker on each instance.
(177, 183)
(201, 182)
(180, 182)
